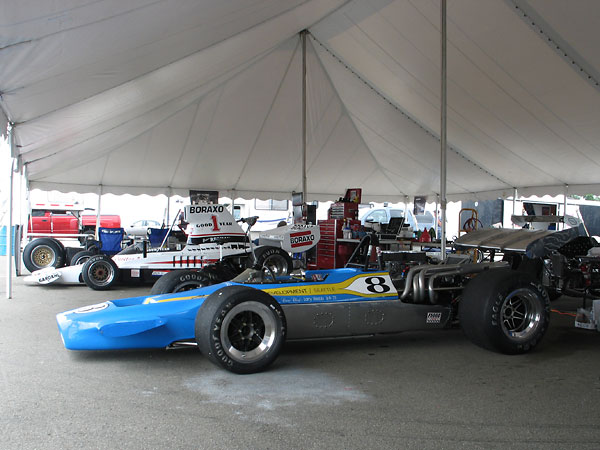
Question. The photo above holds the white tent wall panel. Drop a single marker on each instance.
(148, 91)
(394, 65)
(191, 168)
(414, 145)
(276, 150)
(577, 23)
(207, 95)
(518, 93)
(84, 51)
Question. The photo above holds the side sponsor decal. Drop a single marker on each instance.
(49, 277)
(434, 317)
(367, 285)
(91, 308)
(301, 239)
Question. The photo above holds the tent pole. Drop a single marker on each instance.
(443, 162)
(437, 201)
(168, 206)
(97, 234)
(9, 240)
(303, 38)
(514, 206)
(566, 193)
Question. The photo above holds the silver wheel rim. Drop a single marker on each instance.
(248, 332)
(81, 260)
(43, 256)
(101, 273)
(188, 286)
(277, 263)
(521, 314)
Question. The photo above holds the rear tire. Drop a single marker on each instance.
(276, 259)
(100, 273)
(81, 257)
(505, 311)
(179, 281)
(43, 252)
(240, 329)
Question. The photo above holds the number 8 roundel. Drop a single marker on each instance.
(379, 284)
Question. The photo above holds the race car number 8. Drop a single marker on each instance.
(372, 285)
(377, 285)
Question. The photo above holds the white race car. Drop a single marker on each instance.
(217, 250)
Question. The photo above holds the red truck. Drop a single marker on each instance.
(61, 222)
(49, 222)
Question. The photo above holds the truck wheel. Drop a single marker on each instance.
(100, 272)
(43, 252)
(81, 257)
(277, 260)
(240, 329)
(505, 311)
(179, 281)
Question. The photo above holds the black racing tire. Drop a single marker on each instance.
(100, 273)
(505, 311)
(179, 281)
(81, 257)
(276, 259)
(240, 329)
(43, 252)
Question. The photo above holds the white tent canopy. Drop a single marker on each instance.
(157, 96)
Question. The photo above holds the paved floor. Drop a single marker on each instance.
(417, 390)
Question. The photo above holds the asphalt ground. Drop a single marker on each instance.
(415, 390)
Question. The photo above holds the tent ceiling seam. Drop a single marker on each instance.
(185, 144)
(457, 113)
(256, 57)
(405, 114)
(425, 167)
(266, 118)
(577, 62)
(212, 119)
(243, 66)
(66, 30)
(345, 110)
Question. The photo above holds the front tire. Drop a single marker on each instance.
(505, 311)
(100, 273)
(240, 329)
(43, 252)
(179, 281)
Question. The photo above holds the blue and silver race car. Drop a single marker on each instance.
(242, 324)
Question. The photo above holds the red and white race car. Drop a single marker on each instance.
(217, 250)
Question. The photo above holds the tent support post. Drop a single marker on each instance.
(566, 193)
(443, 162)
(437, 220)
(168, 206)
(9, 239)
(515, 193)
(97, 234)
(303, 34)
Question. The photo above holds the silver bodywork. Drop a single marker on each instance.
(534, 244)
(322, 320)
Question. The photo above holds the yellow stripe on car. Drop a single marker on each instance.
(366, 285)
(172, 299)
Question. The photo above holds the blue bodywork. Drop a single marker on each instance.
(158, 321)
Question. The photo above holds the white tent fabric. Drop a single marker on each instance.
(157, 96)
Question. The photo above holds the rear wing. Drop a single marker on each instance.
(296, 238)
(211, 220)
(534, 244)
